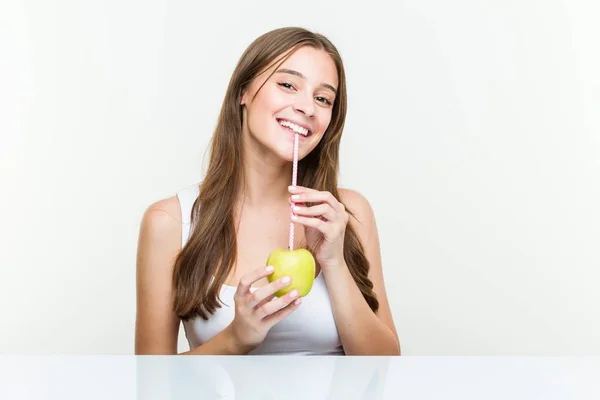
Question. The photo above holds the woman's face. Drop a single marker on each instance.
(298, 97)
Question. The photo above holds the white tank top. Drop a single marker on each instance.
(309, 330)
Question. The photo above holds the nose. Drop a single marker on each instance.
(304, 105)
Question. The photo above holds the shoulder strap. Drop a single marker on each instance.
(187, 197)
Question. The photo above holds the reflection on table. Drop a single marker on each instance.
(262, 377)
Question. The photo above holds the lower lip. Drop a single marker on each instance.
(302, 137)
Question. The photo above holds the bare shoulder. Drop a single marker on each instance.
(354, 198)
(360, 207)
(159, 233)
(160, 227)
(163, 213)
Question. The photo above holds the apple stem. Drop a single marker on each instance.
(294, 181)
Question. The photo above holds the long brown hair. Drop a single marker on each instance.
(211, 250)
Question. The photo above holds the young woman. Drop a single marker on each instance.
(201, 253)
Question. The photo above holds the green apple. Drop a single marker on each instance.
(298, 264)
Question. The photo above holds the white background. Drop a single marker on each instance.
(473, 129)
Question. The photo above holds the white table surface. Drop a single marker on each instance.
(306, 378)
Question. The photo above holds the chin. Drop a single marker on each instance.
(285, 150)
(286, 154)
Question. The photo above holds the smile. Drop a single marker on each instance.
(295, 128)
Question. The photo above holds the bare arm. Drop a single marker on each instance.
(361, 330)
(157, 327)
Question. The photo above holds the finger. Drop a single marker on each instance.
(300, 189)
(265, 301)
(311, 222)
(247, 280)
(293, 203)
(319, 210)
(280, 314)
(276, 305)
(305, 195)
(266, 291)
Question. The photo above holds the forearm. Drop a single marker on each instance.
(222, 343)
(361, 331)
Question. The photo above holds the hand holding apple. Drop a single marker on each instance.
(256, 312)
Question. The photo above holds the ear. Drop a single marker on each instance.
(244, 97)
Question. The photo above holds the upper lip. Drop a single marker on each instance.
(297, 123)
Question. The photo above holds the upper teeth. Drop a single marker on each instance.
(294, 127)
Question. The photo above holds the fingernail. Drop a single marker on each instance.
(297, 208)
(298, 301)
(269, 268)
(286, 279)
(293, 293)
(292, 188)
(295, 196)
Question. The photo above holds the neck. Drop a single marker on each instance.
(266, 179)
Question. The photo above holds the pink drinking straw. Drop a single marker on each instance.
(294, 179)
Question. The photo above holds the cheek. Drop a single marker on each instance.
(270, 100)
(324, 122)
(260, 112)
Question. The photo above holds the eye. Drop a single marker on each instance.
(322, 99)
(286, 85)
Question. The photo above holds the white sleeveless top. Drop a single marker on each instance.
(309, 330)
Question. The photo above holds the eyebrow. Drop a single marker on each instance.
(298, 74)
